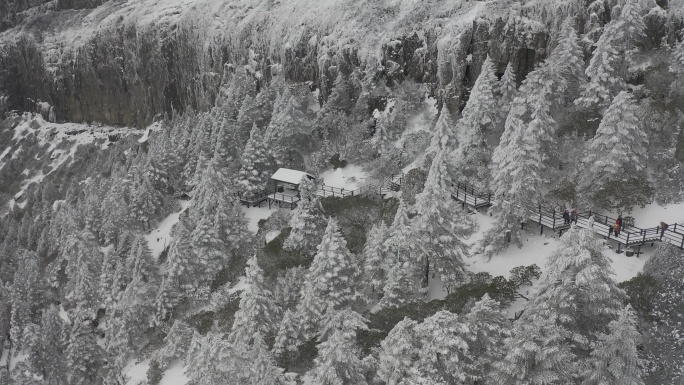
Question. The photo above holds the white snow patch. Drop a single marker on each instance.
(174, 375)
(64, 315)
(254, 214)
(349, 177)
(136, 372)
(161, 237)
(653, 214)
(20, 357)
(271, 235)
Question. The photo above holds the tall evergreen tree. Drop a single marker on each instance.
(612, 57)
(479, 116)
(83, 355)
(25, 298)
(618, 150)
(488, 326)
(54, 342)
(84, 264)
(374, 260)
(442, 226)
(258, 311)
(331, 283)
(257, 164)
(615, 359)
(338, 358)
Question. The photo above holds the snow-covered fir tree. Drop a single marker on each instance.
(615, 359)
(307, 223)
(442, 226)
(489, 327)
(258, 311)
(83, 356)
(257, 164)
(332, 283)
(610, 61)
(618, 150)
(373, 257)
(338, 360)
(477, 123)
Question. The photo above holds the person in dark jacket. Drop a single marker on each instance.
(573, 216)
(566, 216)
(663, 227)
(619, 221)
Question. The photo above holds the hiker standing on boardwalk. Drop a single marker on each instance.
(616, 227)
(619, 221)
(566, 216)
(663, 227)
(573, 216)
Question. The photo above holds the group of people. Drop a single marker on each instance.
(570, 216)
(617, 226)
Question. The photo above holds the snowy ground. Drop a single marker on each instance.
(161, 237)
(348, 178)
(254, 214)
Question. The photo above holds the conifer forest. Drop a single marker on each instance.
(342, 192)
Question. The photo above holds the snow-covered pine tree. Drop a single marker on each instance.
(25, 298)
(263, 368)
(568, 59)
(176, 343)
(677, 60)
(83, 270)
(83, 355)
(338, 358)
(208, 247)
(432, 352)
(489, 326)
(537, 354)
(477, 123)
(441, 226)
(618, 150)
(444, 134)
(381, 138)
(403, 258)
(615, 359)
(577, 290)
(508, 90)
(609, 64)
(146, 201)
(307, 223)
(373, 258)
(181, 269)
(287, 339)
(53, 346)
(134, 313)
(398, 353)
(443, 355)
(331, 283)
(258, 311)
(257, 164)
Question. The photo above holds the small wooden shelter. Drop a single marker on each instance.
(286, 186)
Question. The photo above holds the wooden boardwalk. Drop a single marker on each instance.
(272, 197)
(553, 219)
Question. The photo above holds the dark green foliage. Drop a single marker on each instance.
(163, 255)
(623, 195)
(566, 192)
(155, 339)
(226, 314)
(336, 162)
(641, 292)
(523, 275)
(302, 360)
(230, 273)
(412, 184)
(274, 259)
(154, 373)
(355, 215)
(202, 321)
(382, 322)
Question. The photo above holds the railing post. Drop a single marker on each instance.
(674, 228)
(540, 215)
(554, 219)
(627, 241)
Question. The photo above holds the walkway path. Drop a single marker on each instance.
(553, 219)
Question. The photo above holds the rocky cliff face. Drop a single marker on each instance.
(125, 64)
